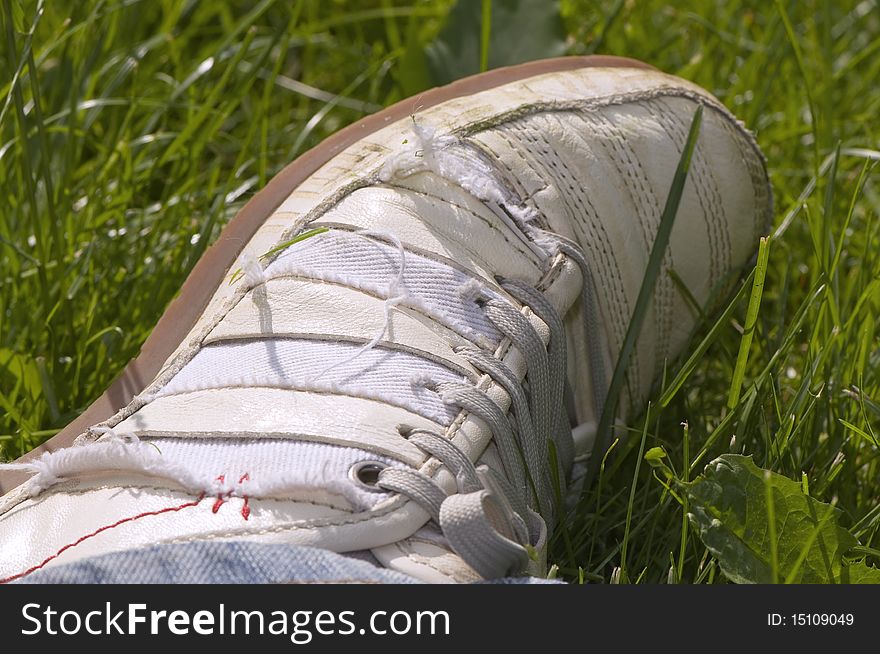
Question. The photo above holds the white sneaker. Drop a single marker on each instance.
(384, 364)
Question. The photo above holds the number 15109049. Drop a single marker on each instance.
(810, 620)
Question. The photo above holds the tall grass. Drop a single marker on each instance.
(131, 131)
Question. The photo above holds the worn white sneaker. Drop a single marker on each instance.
(385, 363)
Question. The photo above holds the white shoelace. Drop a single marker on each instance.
(493, 518)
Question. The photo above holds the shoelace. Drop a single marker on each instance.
(491, 521)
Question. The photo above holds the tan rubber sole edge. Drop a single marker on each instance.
(185, 309)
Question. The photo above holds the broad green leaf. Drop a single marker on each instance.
(730, 508)
(520, 30)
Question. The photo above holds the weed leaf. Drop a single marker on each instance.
(731, 510)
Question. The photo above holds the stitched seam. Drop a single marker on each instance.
(510, 178)
(318, 523)
(665, 285)
(298, 436)
(612, 100)
(405, 548)
(707, 195)
(591, 243)
(460, 368)
(476, 338)
(675, 131)
(584, 215)
(755, 168)
(716, 206)
(59, 490)
(100, 530)
(344, 338)
(448, 335)
(526, 198)
(648, 212)
(388, 399)
(619, 304)
(415, 250)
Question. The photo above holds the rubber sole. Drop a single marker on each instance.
(184, 311)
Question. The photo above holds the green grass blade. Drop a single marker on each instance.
(749, 327)
(652, 270)
(808, 86)
(485, 34)
(700, 350)
(632, 498)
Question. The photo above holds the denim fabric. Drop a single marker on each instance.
(231, 562)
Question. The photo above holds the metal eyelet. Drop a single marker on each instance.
(366, 474)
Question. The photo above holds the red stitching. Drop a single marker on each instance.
(169, 509)
(220, 500)
(245, 509)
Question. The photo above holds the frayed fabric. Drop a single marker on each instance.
(457, 161)
(254, 274)
(368, 264)
(119, 453)
(210, 467)
(453, 159)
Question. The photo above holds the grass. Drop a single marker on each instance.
(131, 131)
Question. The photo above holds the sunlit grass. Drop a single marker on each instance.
(131, 131)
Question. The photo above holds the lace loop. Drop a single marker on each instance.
(454, 459)
(489, 521)
(479, 521)
(481, 405)
(420, 488)
(556, 352)
(527, 436)
(478, 528)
